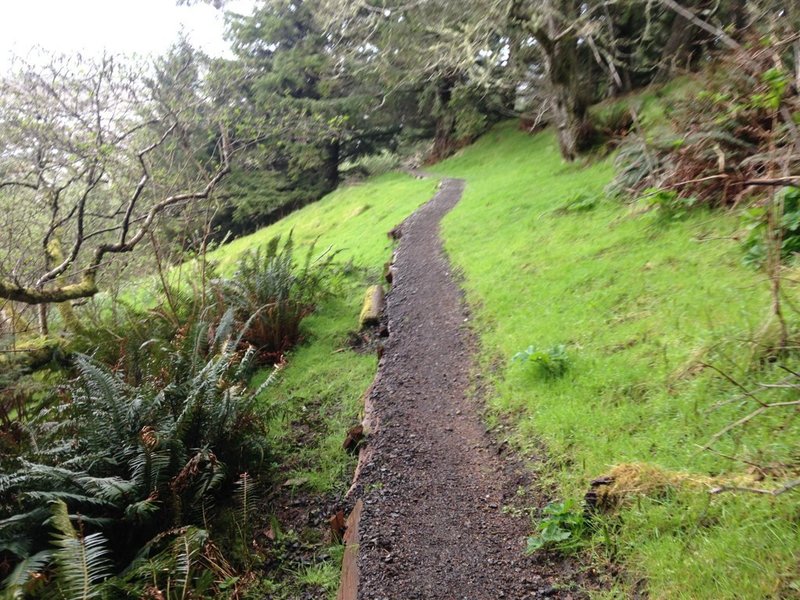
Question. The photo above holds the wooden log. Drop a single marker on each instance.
(348, 585)
(374, 301)
(33, 354)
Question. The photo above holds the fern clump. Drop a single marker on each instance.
(271, 294)
(124, 463)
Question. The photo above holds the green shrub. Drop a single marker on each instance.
(131, 462)
(615, 120)
(138, 341)
(756, 223)
(372, 165)
(270, 295)
(668, 205)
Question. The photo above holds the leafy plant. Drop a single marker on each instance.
(561, 528)
(756, 223)
(668, 205)
(271, 295)
(551, 363)
(582, 202)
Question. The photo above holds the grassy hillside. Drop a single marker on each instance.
(639, 304)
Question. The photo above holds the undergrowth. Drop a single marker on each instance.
(160, 463)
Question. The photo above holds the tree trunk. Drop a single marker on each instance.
(568, 99)
(54, 257)
(676, 50)
(331, 166)
(567, 121)
(43, 328)
(444, 142)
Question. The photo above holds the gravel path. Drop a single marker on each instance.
(434, 485)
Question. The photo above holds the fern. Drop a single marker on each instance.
(81, 562)
(244, 495)
(132, 458)
(186, 548)
(270, 294)
(16, 583)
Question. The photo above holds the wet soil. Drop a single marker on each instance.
(439, 494)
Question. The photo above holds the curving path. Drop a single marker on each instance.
(433, 483)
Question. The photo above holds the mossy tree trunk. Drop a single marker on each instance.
(444, 137)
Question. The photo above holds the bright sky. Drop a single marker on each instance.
(119, 26)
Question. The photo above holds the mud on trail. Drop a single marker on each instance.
(433, 483)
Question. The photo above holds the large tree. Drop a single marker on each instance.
(94, 152)
(452, 61)
(293, 105)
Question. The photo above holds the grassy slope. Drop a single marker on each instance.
(637, 304)
(320, 389)
(320, 378)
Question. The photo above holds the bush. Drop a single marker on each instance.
(371, 165)
(668, 205)
(733, 133)
(756, 222)
(271, 295)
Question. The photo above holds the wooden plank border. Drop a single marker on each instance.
(348, 585)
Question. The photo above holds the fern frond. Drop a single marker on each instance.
(35, 516)
(15, 583)
(268, 381)
(225, 327)
(186, 548)
(109, 489)
(244, 496)
(64, 496)
(82, 562)
(141, 511)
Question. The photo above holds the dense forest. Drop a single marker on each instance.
(185, 242)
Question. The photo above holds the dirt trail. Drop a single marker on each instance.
(434, 485)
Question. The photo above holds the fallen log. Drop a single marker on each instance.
(374, 301)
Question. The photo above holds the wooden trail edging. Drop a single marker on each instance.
(348, 586)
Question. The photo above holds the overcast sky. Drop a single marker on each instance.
(119, 26)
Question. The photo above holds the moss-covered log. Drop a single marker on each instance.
(33, 354)
(374, 301)
(86, 288)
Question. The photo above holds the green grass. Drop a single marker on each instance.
(638, 304)
(353, 220)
